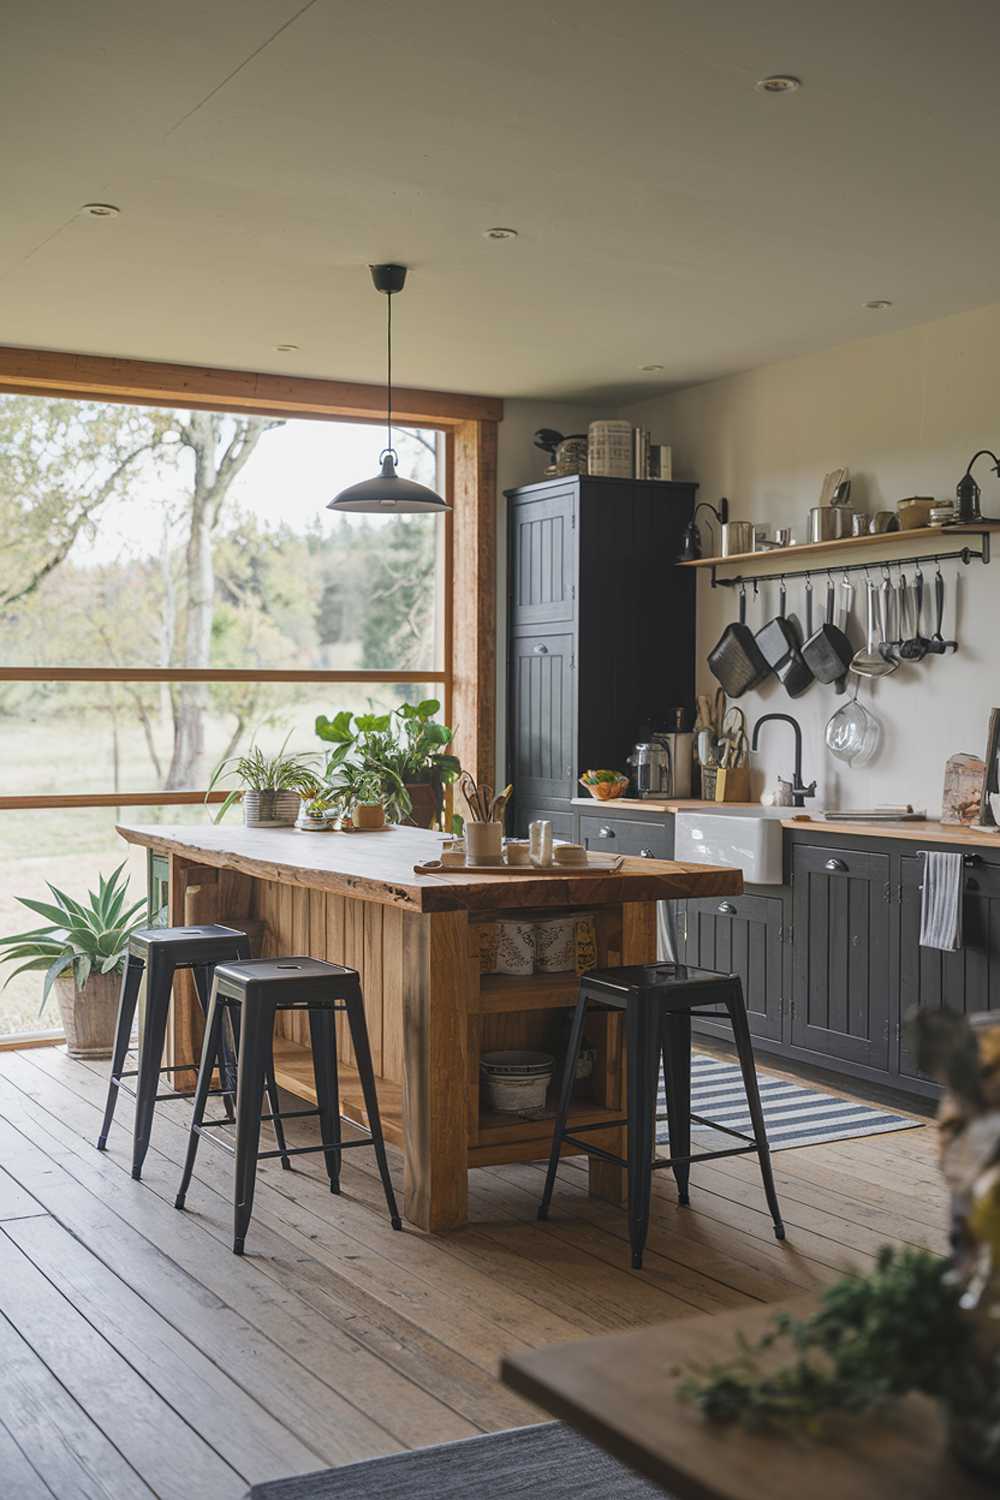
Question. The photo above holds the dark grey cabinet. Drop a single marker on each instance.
(600, 627)
(741, 935)
(840, 973)
(967, 980)
(647, 838)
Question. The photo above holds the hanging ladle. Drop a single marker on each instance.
(869, 662)
(915, 649)
(937, 644)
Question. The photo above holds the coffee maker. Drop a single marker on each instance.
(662, 763)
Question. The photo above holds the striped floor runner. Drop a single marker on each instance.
(796, 1114)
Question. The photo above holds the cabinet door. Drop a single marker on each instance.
(543, 558)
(840, 992)
(967, 980)
(741, 935)
(608, 835)
(543, 716)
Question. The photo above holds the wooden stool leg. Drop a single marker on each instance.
(366, 1072)
(209, 1052)
(323, 1035)
(676, 1033)
(127, 998)
(642, 1031)
(256, 1031)
(152, 1036)
(744, 1050)
(565, 1096)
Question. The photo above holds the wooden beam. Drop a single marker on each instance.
(46, 372)
(108, 799)
(474, 650)
(207, 674)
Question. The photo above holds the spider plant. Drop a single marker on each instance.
(257, 772)
(89, 939)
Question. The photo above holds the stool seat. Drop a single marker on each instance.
(279, 974)
(657, 1001)
(666, 985)
(251, 992)
(189, 947)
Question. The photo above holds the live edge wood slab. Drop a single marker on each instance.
(621, 1392)
(354, 899)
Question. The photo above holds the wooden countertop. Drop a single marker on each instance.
(654, 804)
(620, 1390)
(931, 832)
(379, 867)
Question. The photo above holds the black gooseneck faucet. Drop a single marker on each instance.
(799, 791)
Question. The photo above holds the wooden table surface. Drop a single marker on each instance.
(379, 867)
(620, 1392)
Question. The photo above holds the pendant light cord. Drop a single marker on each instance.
(388, 363)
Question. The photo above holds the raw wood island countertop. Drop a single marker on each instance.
(379, 867)
(435, 1000)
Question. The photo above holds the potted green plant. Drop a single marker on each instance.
(368, 810)
(316, 812)
(407, 749)
(271, 786)
(81, 952)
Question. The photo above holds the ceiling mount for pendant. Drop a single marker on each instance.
(388, 494)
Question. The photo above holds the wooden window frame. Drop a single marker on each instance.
(469, 423)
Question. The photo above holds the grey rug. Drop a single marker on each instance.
(550, 1461)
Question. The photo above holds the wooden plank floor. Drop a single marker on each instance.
(140, 1357)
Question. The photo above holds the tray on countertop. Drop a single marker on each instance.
(607, 864)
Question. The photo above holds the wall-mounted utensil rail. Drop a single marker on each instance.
(964, 555)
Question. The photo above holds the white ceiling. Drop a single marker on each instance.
(263, 152)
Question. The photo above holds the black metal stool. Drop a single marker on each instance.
(162, 951)
(258, 989)
(658, 1000)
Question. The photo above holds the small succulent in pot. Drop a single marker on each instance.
(271, 786)
(80, 952)
(316, 813)
(368, 802)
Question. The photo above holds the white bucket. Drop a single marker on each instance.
(517, 1082)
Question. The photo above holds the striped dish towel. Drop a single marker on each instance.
(941, 903)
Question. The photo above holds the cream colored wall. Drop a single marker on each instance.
(905, 411)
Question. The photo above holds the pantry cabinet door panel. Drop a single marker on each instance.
(543, 716)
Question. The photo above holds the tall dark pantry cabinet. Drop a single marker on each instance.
(600, 631)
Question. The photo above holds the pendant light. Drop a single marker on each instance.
(388, 494)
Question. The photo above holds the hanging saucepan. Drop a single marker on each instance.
(735, 659)
(779, 646)
(828, 652)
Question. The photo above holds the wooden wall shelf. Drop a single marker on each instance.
(849, 544)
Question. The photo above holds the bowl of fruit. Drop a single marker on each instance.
(605, 785)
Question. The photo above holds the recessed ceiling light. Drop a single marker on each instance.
(778, 83)
(650, 369)
(878, 304)
(286, 348)
(499, 232)
(100, 210)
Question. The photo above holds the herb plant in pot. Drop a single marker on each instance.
(81, 952)
(407, 750)
(271, 786)
(368, 811)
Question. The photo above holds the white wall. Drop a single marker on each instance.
(905, 412)
(520, 462)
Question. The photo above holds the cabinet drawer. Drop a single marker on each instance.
(626, 836)
(563, 820)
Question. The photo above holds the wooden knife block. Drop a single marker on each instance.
(733, 785)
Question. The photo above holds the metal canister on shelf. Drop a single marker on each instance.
(737, 536)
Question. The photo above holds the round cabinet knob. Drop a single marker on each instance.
(606, 832)
(647, 854)
(835, 864)
(726, 909)
(541, 649)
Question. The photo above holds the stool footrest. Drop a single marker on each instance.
(308, 1150)
(592, 1150)
(691, 1161)
(739, 1135)
(598, 1125)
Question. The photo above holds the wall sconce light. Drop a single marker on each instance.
(691, 543)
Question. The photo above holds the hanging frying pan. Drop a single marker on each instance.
(735, 659)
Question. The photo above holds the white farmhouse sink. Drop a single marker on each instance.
(747, 837)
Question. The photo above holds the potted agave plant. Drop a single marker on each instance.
(81, 953)
(271, 786)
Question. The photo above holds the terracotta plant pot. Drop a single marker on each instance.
(89, 1014)
(424, 796)
(368, 815)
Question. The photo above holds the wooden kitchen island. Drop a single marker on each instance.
(354, 899)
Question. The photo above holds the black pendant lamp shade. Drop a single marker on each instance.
(387, 493)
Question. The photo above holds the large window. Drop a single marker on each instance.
(172, 588)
